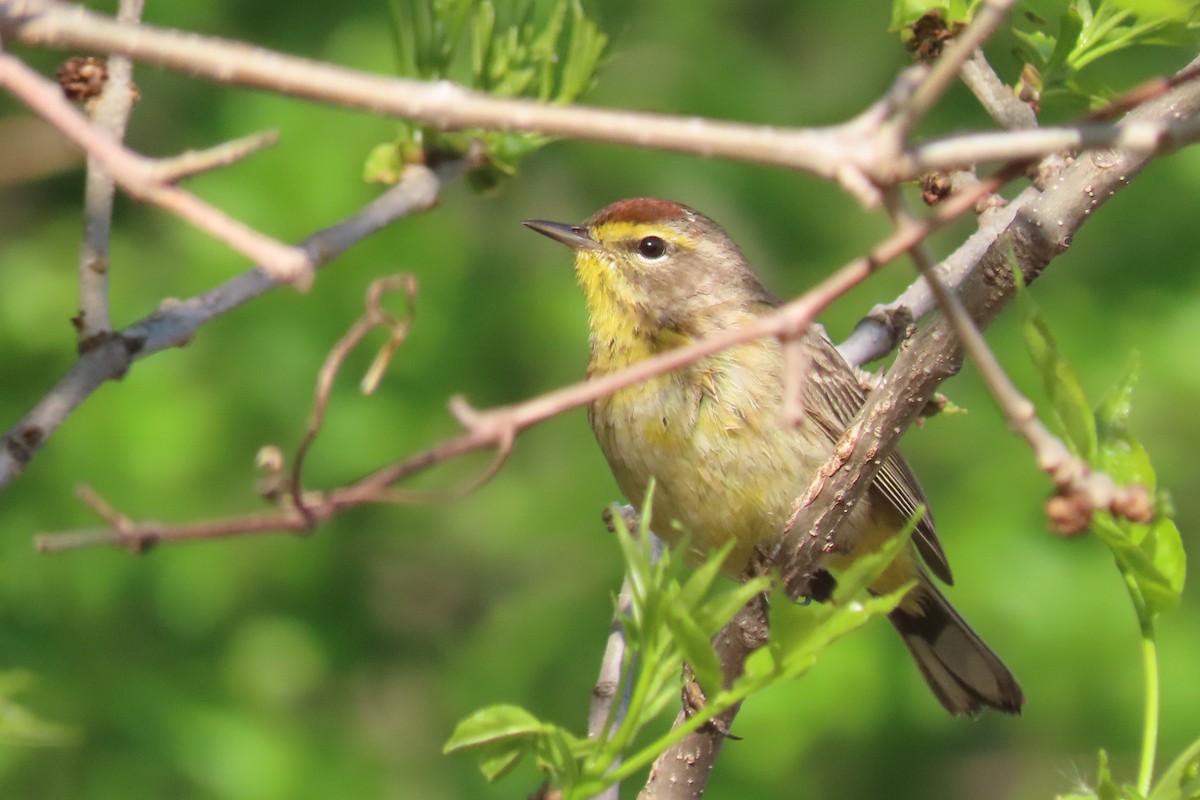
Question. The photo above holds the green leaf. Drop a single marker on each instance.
(1038, 47)
(1155, 587)
(543, 51)
(719, 609)
(559, 753)
(701, 579)
(497, 759)
(483, 26)
(1070, 25)
(502, 735)
(1119, 454)
(759, 667)
(906, 12)
(1071, 408)
(383, 164)
(1125, 461)
(1106, 788)
(584, 51)
(799, 633)
(492, 724)
(1160, 10)
(694, 643)
(1165, 546)
(500, 48)
(866, 568)
(1112, 412)
(1181, 780)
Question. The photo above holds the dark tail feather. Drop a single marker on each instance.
(963, 673)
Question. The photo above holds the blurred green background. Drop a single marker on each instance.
(337, 665)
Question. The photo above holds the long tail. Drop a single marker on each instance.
(963, 673)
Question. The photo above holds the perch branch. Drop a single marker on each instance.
(1041, 230)
(497, 428)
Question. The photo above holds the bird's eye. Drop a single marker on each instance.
(652, 248)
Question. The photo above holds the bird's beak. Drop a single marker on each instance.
(573, 236)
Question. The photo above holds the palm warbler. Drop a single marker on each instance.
(657, 275)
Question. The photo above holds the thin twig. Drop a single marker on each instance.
(994, 95)
(176, 322)
(193, 162)
(1081, 489)
(946, 69)
(135, 174)
(1140, 136)
(374, 316)
(110, 112)
(140, 537)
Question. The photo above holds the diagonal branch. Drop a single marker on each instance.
(137, 176)
(176, 322)
(879, 332)
(497, 428)
(1080, 490)
(193, 162)
(1042, 230)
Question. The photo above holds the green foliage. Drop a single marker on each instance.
(421, 614)
(1065, 38)
(1181, 780)
(1058, 39)
(1149, 556)
(524, 50)
(671, 619)
(907, 12)
(19, 726)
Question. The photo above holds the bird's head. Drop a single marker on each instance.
(659, 267)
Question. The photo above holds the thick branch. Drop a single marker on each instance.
(1042, 230)
(877, 334)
